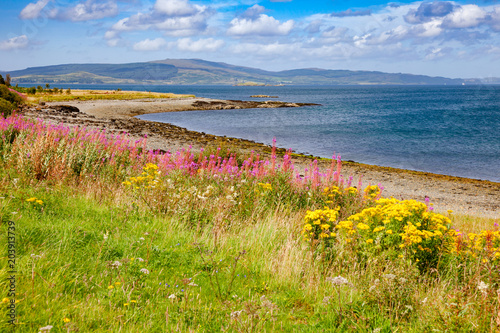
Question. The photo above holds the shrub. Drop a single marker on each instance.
(9, 96)
(6, 107)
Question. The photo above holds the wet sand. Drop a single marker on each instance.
(462, 195)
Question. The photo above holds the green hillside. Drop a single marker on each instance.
(196, 71)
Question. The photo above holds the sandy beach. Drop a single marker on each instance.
(462, 195)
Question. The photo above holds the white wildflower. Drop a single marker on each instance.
(35, 256)
(483, 287)
(142, 238)
(377, 330)
(172, 296)
(139, 259)
(144, 270)
(262, 298)
(338, 280)
(389, 276)
(192, 284)
(45, 328)
(326, 300)
(146, 233)
(105, 236)
(236, 314)
(424, 300)
(116, 264)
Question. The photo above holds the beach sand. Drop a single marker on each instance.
(462, 195)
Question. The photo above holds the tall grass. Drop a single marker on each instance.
(111, 237)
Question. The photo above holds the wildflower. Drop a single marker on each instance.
(132, 301)
(35, 257)
(338, 280)
(172, 296)
(118, 283)
(31, 199)
(66, 320)
(45, 328)
(369, 241)
(483, 287)
(140, 259)
(111, 287)
(126, 304)
(236, 314)
(5, 300)
(144, 270)
(326, 300)
(362, 226)
(116, 264)
(389, 276)
(193, 284)
(40, 202)
(105, 236)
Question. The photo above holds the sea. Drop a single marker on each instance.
(451, 130)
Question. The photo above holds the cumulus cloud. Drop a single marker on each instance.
(172, 17)
(428, 11)
(89, 10)
(150, 44)
(82, 11)
(350, 12)
(19, 42)
(263, 25)
(33, 10)
(200, 45)
(467, 16)
(254, 12)
(175, 8)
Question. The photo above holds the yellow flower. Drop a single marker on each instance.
(66, 320)
(40, 202)
(362, 226)
(111, 287)
(132, 301)
(118, 283)
(389, 232)
(126, 304)
(369, 241)
(31, 199)
(5, 300)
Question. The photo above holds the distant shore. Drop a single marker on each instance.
(462, 195)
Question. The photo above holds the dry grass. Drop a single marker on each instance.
(86, 95)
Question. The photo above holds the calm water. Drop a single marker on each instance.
(453, 130)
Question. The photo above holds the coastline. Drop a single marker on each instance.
(462, 195)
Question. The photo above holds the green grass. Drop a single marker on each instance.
(206, 254)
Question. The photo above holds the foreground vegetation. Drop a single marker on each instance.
(110, 237)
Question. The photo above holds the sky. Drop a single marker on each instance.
(456, 39)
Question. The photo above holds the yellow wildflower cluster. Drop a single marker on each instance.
(35, 200)
(148, 178)
(372, 192)
(485, 244)
(319, 224)
(266, 186)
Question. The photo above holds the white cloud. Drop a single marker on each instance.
(207, 44)
(33, 10)
(467, 16)
(262, 26)
(172, 17)
(90, 10)
(150, 44)
(175, 7)
(19, 42)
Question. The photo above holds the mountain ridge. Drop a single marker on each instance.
(199, 71)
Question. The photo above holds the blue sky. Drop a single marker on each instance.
(440, 38)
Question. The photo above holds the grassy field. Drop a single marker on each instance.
(106, 237)
(88, 95)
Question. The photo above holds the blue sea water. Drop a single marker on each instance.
(452, 130)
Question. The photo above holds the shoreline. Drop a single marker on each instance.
(462, 195)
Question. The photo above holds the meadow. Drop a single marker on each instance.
(108, 236)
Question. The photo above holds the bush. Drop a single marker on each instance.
(9, 96)
(6, 107)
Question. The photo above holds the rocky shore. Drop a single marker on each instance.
(462, 195)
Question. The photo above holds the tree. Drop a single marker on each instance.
(2, 81)
(47, 85)
(7, 80)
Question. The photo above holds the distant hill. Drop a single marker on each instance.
(196, 71)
